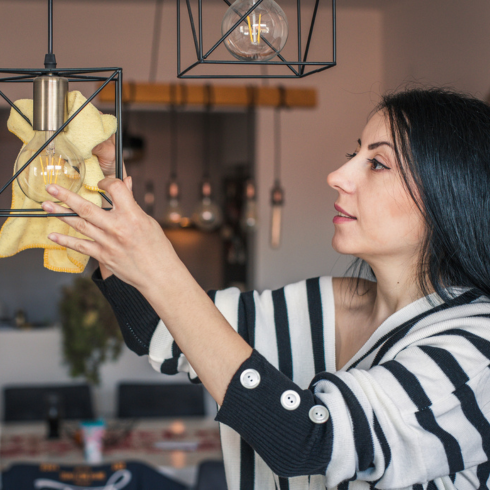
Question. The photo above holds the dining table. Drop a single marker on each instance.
(175, 447)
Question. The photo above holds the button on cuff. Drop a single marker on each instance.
(319, 414)
(250, 379)
(290, 400)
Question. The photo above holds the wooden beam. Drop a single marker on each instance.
(219, 95)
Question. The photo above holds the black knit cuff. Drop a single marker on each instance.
(288, 439)
(136, 317)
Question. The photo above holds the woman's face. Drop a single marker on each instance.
(382, 218)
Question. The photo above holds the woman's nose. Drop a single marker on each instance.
(341, 180)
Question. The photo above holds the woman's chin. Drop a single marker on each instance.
(342, 247)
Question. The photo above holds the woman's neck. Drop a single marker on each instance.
(396, 287)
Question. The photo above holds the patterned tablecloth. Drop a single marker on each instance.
(163, 443)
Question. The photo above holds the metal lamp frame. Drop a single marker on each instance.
(73, 75)
(296, 67)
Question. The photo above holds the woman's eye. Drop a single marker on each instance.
(375, 165)
(349, 156)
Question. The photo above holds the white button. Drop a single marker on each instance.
(290, 400)
(250, 379)
(319, 414)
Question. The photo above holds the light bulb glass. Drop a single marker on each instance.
(59, 163)
(207, 216)
(276, 225)
(249, 219)
(173, 213)
(261, 36)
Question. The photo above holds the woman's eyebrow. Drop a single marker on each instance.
(373, 146)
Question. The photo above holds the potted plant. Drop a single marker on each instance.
(90, 332)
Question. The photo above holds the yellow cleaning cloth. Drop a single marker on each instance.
(88, 129)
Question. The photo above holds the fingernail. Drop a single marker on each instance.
(52, 237)
(47, 206)
(51, 189)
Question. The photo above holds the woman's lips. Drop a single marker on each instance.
(343, 216)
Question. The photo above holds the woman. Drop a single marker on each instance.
(337, 382)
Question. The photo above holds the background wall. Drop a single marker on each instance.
(382, 44)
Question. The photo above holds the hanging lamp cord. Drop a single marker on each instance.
(50, 58)
(157, 29)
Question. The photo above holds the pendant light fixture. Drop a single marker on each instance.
(207, 215)
(277, 192)
(255, 33)
(49, 157)
(250, 221)
(173, 213)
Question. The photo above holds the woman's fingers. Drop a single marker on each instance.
(120, 192)
(106, 154)
(86, 247)
(85, 209)
(79, 224)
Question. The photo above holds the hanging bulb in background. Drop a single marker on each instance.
(207, 216)
(173, 214)
(277, 201)
(60, 162)
(149, 198)
(249, 221)
(261, 36)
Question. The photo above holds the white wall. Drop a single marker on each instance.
(438, 42)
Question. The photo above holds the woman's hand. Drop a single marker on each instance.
(133, 246)
(127, 241)
(106, 153)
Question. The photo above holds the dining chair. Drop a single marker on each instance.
(211, 476)
(121, 476)
(153, 400)
(24, 403)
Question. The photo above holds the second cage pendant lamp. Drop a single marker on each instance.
(256, 33)
(49, 157)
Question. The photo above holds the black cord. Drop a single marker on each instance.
(157, 28)
(50, 58)
(50, 26)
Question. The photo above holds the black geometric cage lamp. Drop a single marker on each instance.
(256, 33)
(50, 88)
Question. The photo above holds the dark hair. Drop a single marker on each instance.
(442, 145)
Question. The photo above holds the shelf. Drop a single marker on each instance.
(221, 95)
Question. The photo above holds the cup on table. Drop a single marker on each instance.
(93, 440)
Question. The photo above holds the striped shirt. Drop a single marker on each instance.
(409, 410)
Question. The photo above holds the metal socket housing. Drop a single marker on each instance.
(50, 107)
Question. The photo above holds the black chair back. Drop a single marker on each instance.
(211, 476)
(147, 400)
(24, 403)
(120, 476)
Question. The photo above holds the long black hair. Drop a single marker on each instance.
(442, 146)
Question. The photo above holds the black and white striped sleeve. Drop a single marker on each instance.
(418, 416)
(287, 325)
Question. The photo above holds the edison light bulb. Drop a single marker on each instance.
(262, 34)
(249, 219)
(173, 212)
(60, 162)
(277, 201)
(207, 216)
